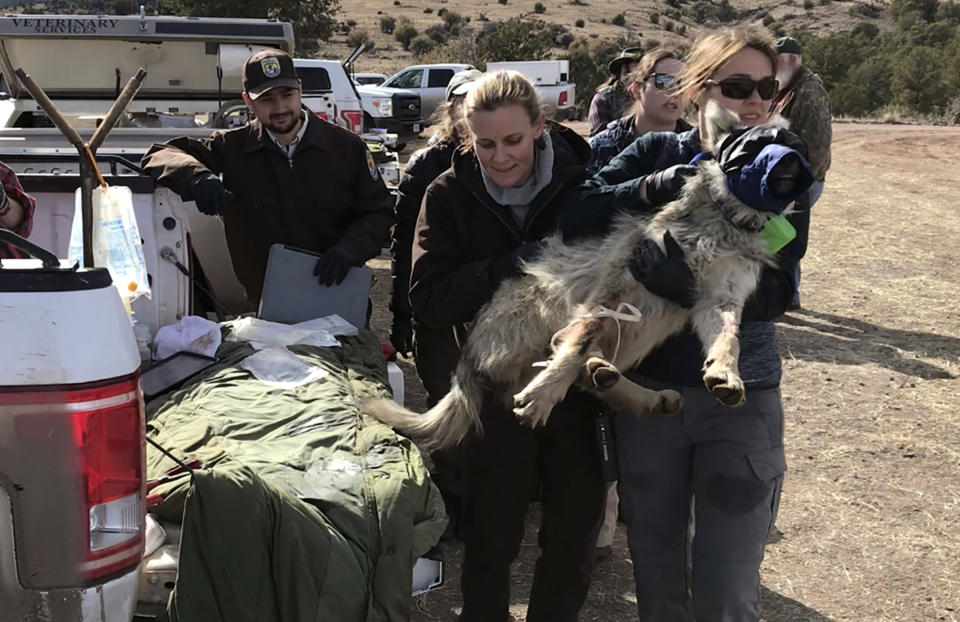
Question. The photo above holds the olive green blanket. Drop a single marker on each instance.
(304, 508)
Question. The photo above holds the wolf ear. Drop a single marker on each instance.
(718, 123)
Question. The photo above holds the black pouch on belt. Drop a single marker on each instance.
(608, 450)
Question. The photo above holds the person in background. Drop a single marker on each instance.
(16, 211)
(612, 100)
(288, 177)
(804, 102)
(657, 106)
(479, 222)
(699, 490)
(435, 350)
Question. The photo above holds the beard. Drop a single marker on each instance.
(784, 76)
(281, 125)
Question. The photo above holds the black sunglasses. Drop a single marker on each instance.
(742, 88)
(663, 81)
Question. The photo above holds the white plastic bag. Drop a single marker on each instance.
(116, 240)
(278, 367)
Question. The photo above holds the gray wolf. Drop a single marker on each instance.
(550, 312)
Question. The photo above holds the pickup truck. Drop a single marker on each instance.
(552, 79)
(427, 81)
(72, 475)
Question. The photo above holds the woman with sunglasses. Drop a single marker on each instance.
(700, 487)
(657, 107)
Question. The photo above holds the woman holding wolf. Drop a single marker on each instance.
(478, 222)
(726, 463)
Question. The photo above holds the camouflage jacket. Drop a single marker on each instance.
(608, 104)
(805, 103)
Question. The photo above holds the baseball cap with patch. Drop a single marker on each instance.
(788, 45)
(268, 69)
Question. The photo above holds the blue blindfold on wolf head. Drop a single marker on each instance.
(765, 167)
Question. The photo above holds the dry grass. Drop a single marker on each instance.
(868, 525)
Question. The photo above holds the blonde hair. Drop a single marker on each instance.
(502, 88)
(447, 123)
(710, 52)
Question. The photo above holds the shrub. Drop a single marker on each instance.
(565, 39)
(357, 37)
(352, 23)
(387, 24)
(619, 20)
(502, 1)
(768, 19)
(482, 17)
(437, 32)
(428, 10)
(808, 4)
(654, 18)
(682, 30)
(539, 8)
(441, 12)
(396, 2)
(405, 32)
(579, 23)
(668, 26)
(421, 44)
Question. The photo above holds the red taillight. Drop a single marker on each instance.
(562, 99)
(322, 115)
(353, 119)
(105, 427)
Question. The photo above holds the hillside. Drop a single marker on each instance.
(788, 16)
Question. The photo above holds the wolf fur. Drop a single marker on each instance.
(547, 313)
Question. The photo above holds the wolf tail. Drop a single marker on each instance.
(444, 425)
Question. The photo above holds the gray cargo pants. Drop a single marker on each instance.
(731, 461)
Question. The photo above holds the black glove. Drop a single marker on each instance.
(665, 186)
(666, 275)
(332, 267)
(208, 191)
(401, 334)
(508, 265)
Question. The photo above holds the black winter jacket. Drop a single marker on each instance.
(461, 231)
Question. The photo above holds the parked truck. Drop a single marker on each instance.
(72, 475)
(552, 79)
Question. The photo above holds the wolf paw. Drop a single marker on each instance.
(725, 385)
(670, 402)
(603, 374)
(533, 405)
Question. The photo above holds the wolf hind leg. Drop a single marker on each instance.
(629, 397)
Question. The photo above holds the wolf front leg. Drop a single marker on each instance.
(572, 347)
(718, 328)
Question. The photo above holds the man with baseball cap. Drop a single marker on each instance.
(805, 103)
(285, 177)
(612, 100)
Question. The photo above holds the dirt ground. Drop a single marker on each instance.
(870, 515)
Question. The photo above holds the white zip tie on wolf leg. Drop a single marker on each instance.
(632, 315)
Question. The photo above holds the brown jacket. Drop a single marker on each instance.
(460, 230)
(329, 195)
(805, 103)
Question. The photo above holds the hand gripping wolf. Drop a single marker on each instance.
(552, 309)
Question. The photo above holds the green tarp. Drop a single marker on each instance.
(304, 509)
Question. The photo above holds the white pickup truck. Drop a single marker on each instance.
(552, 79)
(72, 478)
